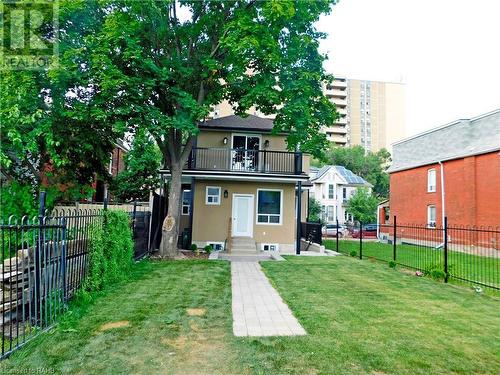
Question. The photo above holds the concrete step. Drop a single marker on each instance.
(241, 245)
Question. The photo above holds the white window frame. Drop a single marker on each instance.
(269, 245)
(431, 188)
(185, 205)
(329, 218)
(257, 208)
(333, 191)
(210, 195)
(221, 244)
(431, 223)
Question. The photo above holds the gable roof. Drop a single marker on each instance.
(349, 177)
(458, 139)
(234, 122)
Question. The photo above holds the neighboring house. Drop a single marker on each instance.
(452, 170)
(241, 187)
(115, 166)
(332, 186)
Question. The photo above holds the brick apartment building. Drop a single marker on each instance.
(452, 170)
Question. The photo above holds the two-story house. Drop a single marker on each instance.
(450, 171)
(242, 188)
(332, 186)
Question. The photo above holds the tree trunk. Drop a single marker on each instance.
(170, 227)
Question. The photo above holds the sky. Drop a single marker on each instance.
(446, 52)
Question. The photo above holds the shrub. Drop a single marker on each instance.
(436, 274)
(353, 253)
(194, 247)
(110, 252)
(392, 264)
(208, 249)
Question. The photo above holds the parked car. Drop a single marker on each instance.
(369, 231)
(330, 230)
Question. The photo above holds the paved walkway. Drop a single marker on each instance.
(258, 309)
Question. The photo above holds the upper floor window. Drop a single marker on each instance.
(186, 202)
(431, 180)
(213, 195)
(331, 191)
(431, 216)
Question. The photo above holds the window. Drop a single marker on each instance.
(218, 246)
(212, 195)
(431, 180)
(269, 206)
(329, 214)
(431, 216)
(344, 194)
(331, 191)
(186, 202)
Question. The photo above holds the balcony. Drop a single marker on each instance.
(244, 161)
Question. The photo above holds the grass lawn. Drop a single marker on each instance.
(361, 318)
(481, 269)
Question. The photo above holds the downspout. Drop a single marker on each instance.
(443, 211)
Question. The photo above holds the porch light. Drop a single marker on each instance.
(224, 140)
(226, 194)
(266, 143)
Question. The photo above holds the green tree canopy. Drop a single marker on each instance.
(363, 206)
(371, 166)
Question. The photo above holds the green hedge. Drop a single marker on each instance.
(110, 252)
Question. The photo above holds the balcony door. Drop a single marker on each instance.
(245, 154)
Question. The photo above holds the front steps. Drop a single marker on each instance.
(243, 246)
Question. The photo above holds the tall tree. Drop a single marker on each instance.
(363, 206)
(162, 65)
(371, 166)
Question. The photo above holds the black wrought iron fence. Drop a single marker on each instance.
(462, 253)
(44, 263)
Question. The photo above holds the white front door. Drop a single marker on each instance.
(243, 215)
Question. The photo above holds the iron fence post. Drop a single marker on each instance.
(360, 240)
(63, 259)
(337, 240)
(394, 240)
(445, 249)
(38, 261)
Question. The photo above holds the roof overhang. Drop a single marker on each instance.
(240, 176)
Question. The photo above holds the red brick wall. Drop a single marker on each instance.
(472, 187)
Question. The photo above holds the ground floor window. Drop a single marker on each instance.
(269, 206)
(431, 216)
(213, 195)
(330, 213)
(186, 202)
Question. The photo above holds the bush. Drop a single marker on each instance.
(353, 253)
(392, 264)
(208, 249)
(110, 252)
(436, 274)
(194, 247)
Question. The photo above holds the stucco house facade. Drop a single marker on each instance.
(452, 171)
(332, 186)
(242, 189)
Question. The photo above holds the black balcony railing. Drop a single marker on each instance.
(242, 160)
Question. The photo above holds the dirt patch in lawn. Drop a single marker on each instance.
(196, 311)
(112, 325)
(177, 343)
